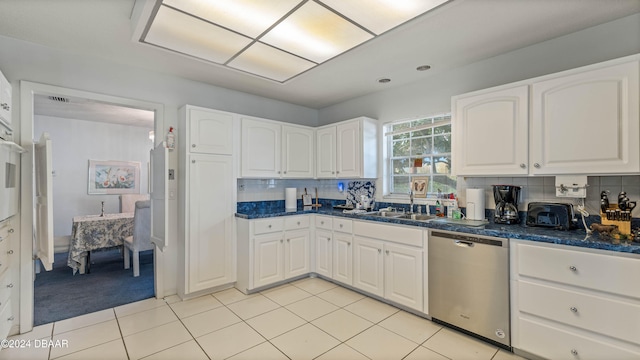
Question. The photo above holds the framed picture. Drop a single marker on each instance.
(114, 177)
(420, 185)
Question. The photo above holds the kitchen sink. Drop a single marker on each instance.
(420, 217)
(399, 215)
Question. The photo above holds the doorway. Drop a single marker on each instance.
(44, 111)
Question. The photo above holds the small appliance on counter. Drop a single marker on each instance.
(558, 216)
(506, 197)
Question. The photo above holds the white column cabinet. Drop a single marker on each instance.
(491, 132)
(348, 149)
(580, 121)
(207, 187)
(5, 99)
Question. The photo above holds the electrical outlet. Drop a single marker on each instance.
(172, 174)
(241, 187)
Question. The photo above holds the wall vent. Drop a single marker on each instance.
(58, 99)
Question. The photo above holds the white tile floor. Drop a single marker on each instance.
(307, 319)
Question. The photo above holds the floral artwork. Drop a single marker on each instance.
(114, 177)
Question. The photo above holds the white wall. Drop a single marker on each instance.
(74, 143)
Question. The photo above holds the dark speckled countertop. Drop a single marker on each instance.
(572, 238)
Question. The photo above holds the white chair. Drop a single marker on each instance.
(141, 239)
(128, 201)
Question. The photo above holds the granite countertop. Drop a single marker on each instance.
(520, 232)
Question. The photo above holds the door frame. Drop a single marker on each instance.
(27, 264)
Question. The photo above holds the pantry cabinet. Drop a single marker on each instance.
(580, 121)
(5, 99)
(570, 307)
(271, 149)
(272, 250)
(207, 203)
(7, 278)
(348, 149)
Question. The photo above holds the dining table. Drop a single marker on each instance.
(94, 232)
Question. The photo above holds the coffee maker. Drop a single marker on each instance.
(506, 197)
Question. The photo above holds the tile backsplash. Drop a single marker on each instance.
(273, 189)
(543, 189)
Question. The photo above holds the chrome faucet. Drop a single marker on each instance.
(411, 201)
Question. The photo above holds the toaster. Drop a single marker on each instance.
(558, 216)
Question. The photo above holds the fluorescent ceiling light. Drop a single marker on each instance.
(277, 39)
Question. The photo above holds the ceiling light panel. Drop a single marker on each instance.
(379, 16)
(179, 32)
(266, 61)
(315, 33)
(248, 17)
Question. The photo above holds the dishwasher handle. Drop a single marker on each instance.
(464, 243)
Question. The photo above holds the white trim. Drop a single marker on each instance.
(27, 274)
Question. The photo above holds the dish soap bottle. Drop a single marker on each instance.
(171, 139)
(439, 212)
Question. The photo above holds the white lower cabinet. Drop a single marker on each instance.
(579, 304)
(324, 257)
(388, 262)
(272, 250)
(342, 257)
(333, 248)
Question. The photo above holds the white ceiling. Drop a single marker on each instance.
(457, 33)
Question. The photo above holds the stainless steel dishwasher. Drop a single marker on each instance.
(469, 284)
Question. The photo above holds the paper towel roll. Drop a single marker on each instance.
(475, 204)
(290, 199)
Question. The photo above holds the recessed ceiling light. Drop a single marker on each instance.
(423, 67)
(384, 80)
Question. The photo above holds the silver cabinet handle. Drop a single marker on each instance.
(193, 161)
(328, 239)
(10, 252)
(280, 240)
(321, 222)
(387, 252)
(10, 319)
(536, 165)
(10, 285)
(573, 309)
(298, 222)
(337, 172)
(523, 166)
(193, 145)
(348, 243)
(278, 172)
(288, 240)
(285, 172)
(11, 231)
(269, 226)
(574, 352)
(333, 172)
(379, 251)
(573, 268)
(341, 225)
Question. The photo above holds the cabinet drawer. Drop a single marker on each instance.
(268, 225)
(343, 225)
(296, 222)
(6, 319)
(602, 315)
(554, 343)
(324, 222)
(588, 270)
(396, 233)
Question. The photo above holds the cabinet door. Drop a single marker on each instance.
(368, 265)
(587, 122)
(324, 255)
(5, 99)
(343, 258)
(403, 275)
(261, 148)
(297, 152)
(348, 150)
(296, 253)
(267, 259)
(210, 132)
(209, 244)
(490, 133)
(326, 152)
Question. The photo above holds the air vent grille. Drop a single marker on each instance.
(58, 99)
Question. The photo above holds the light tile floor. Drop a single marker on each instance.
(307, 319)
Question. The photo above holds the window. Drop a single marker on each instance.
(420, 147)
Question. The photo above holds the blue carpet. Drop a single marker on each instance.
(59, 295)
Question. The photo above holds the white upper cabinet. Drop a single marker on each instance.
(490, 132)
(271, 149)
(348, 149)
(587, 122)
(297, 152)
(261, 148)
(210, 132)
(5, 99)
(581, 121)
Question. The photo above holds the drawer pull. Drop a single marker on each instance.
(328, 239)
(10, 285)
(387, 251)
(280, 240)
(10, 252)
(269, 226)
(379, 251)
(574, 309)
(10, 319)
(573, 268)
(574, 352)
(321, 222)
(288, 240)
(348, 243)
(298, 222)
(341, 225)
(11, 231)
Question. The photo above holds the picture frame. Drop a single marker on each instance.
(113, 177)
(420, 186)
